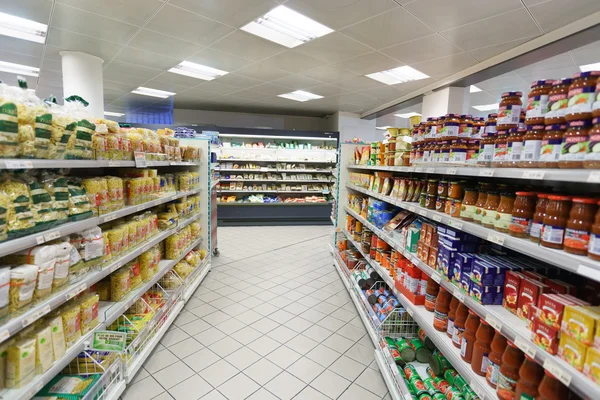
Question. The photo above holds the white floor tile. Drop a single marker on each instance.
(159, 360)
(216, 318)
(317, 333)
(285, 386)
(262, 394)
(262, 371)
(209, 336)
(225, 346)
(238, 388)
(362, 354)
(310, 394)
(282, 334)
(301, 344)
(219, 372)
(264, 345)
(243, 358)
(283, 357)
(186, 347)
(144, 389)
(192, 388)
(323, 355)
(174, 335)
(163, 396)
(173, 374)
(246, 335)
(305, 369)
(231, 326)
(330, 384)
(265, 325)
(201, 359)
(347, 368)
(372, 381)
(355, 392)
(214, 395)
(338, 343)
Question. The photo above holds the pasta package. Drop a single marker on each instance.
(42, 204)
(20, 363)
(69, 386)
(22, 285)
(115, 193)
(3, 359)
(4, 291)
(97, 192)
(63, 262)
(183, 269)
(43, 349)
(120, 284)
(9, 123)
(19, 218)
(79, 205)
(103, 289)
(58, 337)
(71, 320)
(135, 274)
(63, 127)
(44, 257)
(89, 312)
(57, 188)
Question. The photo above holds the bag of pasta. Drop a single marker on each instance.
(97, 192)
(5, 202)
(4, 292)
(63, 262)
(193, 259)
(19, 218)
(183, 269)
(22, 285)
(9, 122)
(170, 281)
(58, 189)
(44, 257)
(79, 205)
(115, 240)
(80, 146)
(89, 312)
(63, 127)
(20, 363)
(43, 349)
(93, 246)
(120, 284)
(135, 274)
(26, 116)
(42, 204)
(71, 319)
(115, 193)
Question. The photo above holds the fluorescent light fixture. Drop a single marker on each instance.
(113, 114)
(398, 75)
(590, 67)
(197, 71)
(19, 69)
(487, 107)
(300, 95)
(287, 27)
(474, 89)
(407, 115)
(22, 28)
(383, 128)
(153, 92)
(276, 137)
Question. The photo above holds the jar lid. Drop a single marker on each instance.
(478, 119)
(483, 322)
(540, 82)
(536, 127)
(429, 119)
(507, 194)
(584, 200)
(543, 195)
(563, 81)
(466, 116)
(511, 344)
(586, 74)
(501, 132)
(493, 115)
(513, 130)
(559, 197)
(511, 94)
(450, 115)
(526, 194)
(556, 127)
(472, 312)
(433, 180)
(580, 122)
(596, 121)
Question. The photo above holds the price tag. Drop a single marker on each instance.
(494, 238)
(116, 267)
(451, 171)
(419, 169)
(264, 168)
(459, 294)
(174, 197)
(526, 346)
(411, 209)
(430, 170)
(533, 174)
(76, 291)
(386, 351)
(36, 388)
(140, 208)
(394, 369)
(558, 372)
(114, 163)
(455, 224)
(4, 335)
(18, 164)
(109, 217)
(423, 213)
(140, 159)
(594, 177)
(35, 315)
(497, 325)
(437, 218)
(39, 239)
(436, 277)
(52, 235)
(486, 172)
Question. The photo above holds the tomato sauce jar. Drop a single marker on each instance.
(591, 159)
(522, 214)
(509, 112)
(555, 221)
(594, 245)
(574, 144)
(558, 98)
(579, 225)
(551, 144)
(582, 96)
(537, 101)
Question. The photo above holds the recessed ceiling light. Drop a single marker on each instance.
(487, 107)
(22, 28)
(474, 89)
(590, 67)
(407, 115)
(382, 128)
(398, 75)
(300, 95)
(19, 69)
(197, 71)
(113, 114)
(287, 27)
(153, 92)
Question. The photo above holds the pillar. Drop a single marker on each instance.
(82, 76)
(448, 100)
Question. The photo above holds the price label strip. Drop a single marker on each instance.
(51, 236)
(486, 172)
(436, 277)
(437, 218)
(30, 319)
(526, 346)
(494, 238)
(558, 372)
(533, 174)
(76, 291)
(451, 171)
(455, 224)
(494, 323)
(459, 294)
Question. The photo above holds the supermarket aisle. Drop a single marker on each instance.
(272, 320)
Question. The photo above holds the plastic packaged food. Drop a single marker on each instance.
(4, 292)
(58, 337)
(89, 312)
(57, 188)
(79, 205)
(19, 218)
(120, 284)
(71, 320)
(43, 349)
(9, 136)
(20, 363)
(42, 204)
(22, 286)
(69, 386)
(97, 192)
(135, 274)
(183, 269)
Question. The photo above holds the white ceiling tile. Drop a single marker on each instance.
(132, 69)
(217, 88)
(251, 94)
(327, 90)
(416, 85)
(423, 49)
(271, 89)
(190, 104)
(248, 46)
(36, 10)
(19, 46)
(484, 53)
(239, 81)
(386, 93)
(118, 86)
(369, 63)
(293, 61)
(135, 12)
(444, 14)
(112, 95)
(359, 83)
(184, 25)
(297, 82)
(533, 2)
(177, 79)
(333, 47)
(337, 14)
(493, 30)
(157, 43)
(168, 86)
(115, 75)
(556, 13)
(22, 59)
(146, 58)
(237, 101)
(354, 98)
(197, 94)
(232, 12)
(60, 40)
(262, 71)
(217, 59)
(50, 78)
(90, 24)
(446, 65)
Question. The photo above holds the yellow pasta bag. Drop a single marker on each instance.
(57, 188)
(19, 218)
(120, 284)
(79, 205)
(89, 312)
(58, 337)
(20, 363)
(71, 320)
(9, 128)
(43, 349)
(42, 204)
(135, 274)
(3, 360)
(22, 285)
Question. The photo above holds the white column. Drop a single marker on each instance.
(82, 76)
(448, 100)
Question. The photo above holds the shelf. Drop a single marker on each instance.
(44, 164)
(555, 174)
(289, 171)
(275, 204)
(215, 183)
(386, 371)
(26, 242)
(273, 191)
(276, 180)
(222, 160)
(578, 264)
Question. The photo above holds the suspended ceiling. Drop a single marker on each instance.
(140, 40)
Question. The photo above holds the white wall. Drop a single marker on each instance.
(351, 126)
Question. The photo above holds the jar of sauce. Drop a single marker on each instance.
(479, 205)
(426, 153)
(482, 348)
(467, 210)
(504, 212)
(422, 199)
(439, 134)
(432, 185)
(537, 223)
(509, 111)
(591, 159)
(486, 150)
(436, 153)
(430, 201)
(558, 98)
(469, 336)
(472, 151)
(579, 225)
(465, 129)
(442, 307)
(451, 127)
(442, 188)
(491, 125)
(458, 152)
(551, 144)
(509, 372)
(462, 312)
(455, 207)
(445, 152)
(551, 388)
(448, 206)
(574, 145)
(455, 190)
(478, 127)
(522, 214)
(489, 209)
(431, 294)
(430, 129)
(594, 246)
(530, 377)
(596, 104)
(440, 204)
(555, 221)
(537, 102)
(581, 95)
(452, 316)
(495, 359)
(532, 145)
(500, 146)
(514, 147)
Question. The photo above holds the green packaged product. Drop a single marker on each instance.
(442, 384)
(425, 396)
(439, 364)
(430, 372)
(454, 394)
(391, 345)
(69, 387)
(460, 383)
(426, 340)
(418, 385)
(406, 351)
(450, 376)
(410, 371)
(439, 396)
(430, 385)
(422, 352)
(471, 395)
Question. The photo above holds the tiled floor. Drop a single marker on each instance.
(272, 320)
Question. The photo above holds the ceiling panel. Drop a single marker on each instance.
(333, 47)
(177, 79)
(385, 93)
(369, 63)
(416, 85)
(271, 89)
(112, 95)
(37, 10)
(239, 81)
(251, 94)
(132, 69)
(444, 14)
(232, 12)
(293, 61)
(118, 86)
(262, 72)
(14, 45)
(157, 43)
(446, 65)
(330, 73)
(134, 12)
(217, 88)
(198, 95)
(23, 59)
(354, 98)
(493, 30)
(168, 86)
(423, 49)
(556, 13)
(217, 59)
(59, 40)
(51, 65)
(388, 29)
(587, 54)
(146, 58)
(484, 53)
(50, 78)
(327, 90)
(337, 14)
(360, 83)
(297, 82)
(44, 91)
(248, 46)
(114, 75)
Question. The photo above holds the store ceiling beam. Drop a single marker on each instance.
(576, 34)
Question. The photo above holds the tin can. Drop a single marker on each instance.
(442, 384)
(425, 396)
(460, 382)
(439, 364)
(451, 375)
(453, 394)
(409, 369)
(439, 396)
(430, 385)
(430, 372)
(418, 386)
(408, 354)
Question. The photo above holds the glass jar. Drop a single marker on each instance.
(436, 153)
(467, 211)
(458, 152)
(442, 306)
(419, 154)
(592, 155)
(422, 198)
(481, 200)
(440, 125)
(465, 129)
(574, 145)
(532, 144)
(469, 336)
(495, 359)
(452, 316)
(445, 152)
(486, 150)
(579, 225)
(522, 214)
(430, 129)
(426, 153)
(581, 96)
(551, 388)
(509, 372)
(558, 98)
(455, 190)
(530, 377)
(537, 222)
(482, 348)
(440, 203)
(499, 148)
(514, 147)
(509, 111)
(594, 246)
(489, 209)
(442, 188)
(551, 143)
(478, 127)
(448, 206)
(555, 221)
(431, 294)
(491, 125)
(596, 104)
(504, 212)
(537, 102)
(432, 186)
(462, 313)
(430, 201)
(451, 127)
(472, 151)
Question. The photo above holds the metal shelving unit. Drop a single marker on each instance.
(45, 164)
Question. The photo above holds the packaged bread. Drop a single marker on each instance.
(89, 312)
(58, 337)
(120, 284)
(19, 218)
(9, 134)
(71, 320)
(22, 285)
(43, 349)
(20, 363)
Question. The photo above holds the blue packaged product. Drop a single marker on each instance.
(465, 281)
(485, 295)
(486, 274)
(499, 296)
